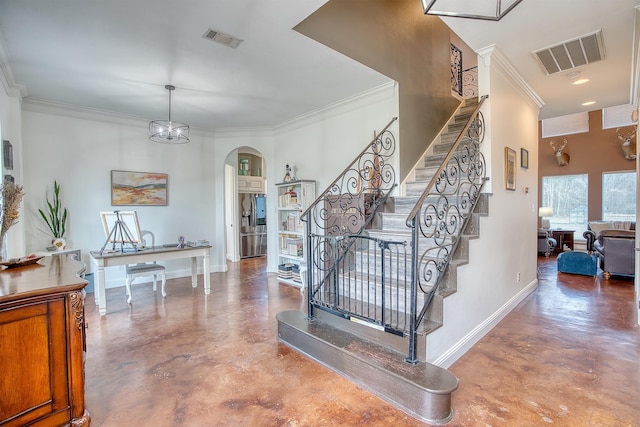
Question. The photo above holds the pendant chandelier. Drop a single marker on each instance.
(168, 131)
(490, 10)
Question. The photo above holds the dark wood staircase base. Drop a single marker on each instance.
(422, 391)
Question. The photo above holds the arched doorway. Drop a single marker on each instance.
(245, 204)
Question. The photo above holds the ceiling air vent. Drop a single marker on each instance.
(222, 38)
(571, 53)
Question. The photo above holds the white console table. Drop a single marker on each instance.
(75, 253)
(156, 253)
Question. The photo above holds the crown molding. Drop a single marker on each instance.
(13, 89)
(495, 59)
(376, 94)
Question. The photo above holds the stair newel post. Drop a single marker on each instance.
(309, 271)
(413, 342)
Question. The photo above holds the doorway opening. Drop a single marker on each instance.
(245, 205)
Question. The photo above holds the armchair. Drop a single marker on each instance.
(615, 248)
(546, 244)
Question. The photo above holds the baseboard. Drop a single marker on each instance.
(461, 347)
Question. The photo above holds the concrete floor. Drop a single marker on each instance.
(569, 355)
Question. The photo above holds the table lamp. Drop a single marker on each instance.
(543, 213)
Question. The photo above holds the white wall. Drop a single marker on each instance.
(322, 145)
(11, 130)
(80, 148)
(488, 287)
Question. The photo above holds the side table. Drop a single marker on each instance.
(563, 237)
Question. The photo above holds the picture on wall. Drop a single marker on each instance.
(139, 188)
(524, 158)
(509, 168)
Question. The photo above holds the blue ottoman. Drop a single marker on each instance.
(578, 263)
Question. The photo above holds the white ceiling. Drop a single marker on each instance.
(536, 24)
(117, 55)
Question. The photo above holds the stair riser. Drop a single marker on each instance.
(402, 205)
(364, 298)
(434, 160)
(425, 174)
(394, 222)
(373, 251)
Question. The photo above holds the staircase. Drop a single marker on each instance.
(381, 285)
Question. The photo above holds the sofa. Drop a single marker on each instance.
(614, 244)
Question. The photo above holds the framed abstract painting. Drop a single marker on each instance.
(139, 188)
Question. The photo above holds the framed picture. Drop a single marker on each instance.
(127, 230)
(524, 158)
(7, 154)
(9, 178)
(139, 188)
(509, 168)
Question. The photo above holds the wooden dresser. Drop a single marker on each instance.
(42, 344)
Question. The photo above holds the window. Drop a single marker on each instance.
(618, 116)
(619, 196)
(565, 125)
(567, 196)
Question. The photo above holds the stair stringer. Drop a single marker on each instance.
(449, 284)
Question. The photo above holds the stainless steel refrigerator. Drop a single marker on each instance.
(253, 224)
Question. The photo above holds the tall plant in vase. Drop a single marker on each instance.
(55, 217)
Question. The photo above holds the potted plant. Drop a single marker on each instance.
(55, 218)
(10, 210)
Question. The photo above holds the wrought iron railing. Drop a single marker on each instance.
(345, 208)
(440, 215)
(388, 283)
(470, 83)
(456, 70)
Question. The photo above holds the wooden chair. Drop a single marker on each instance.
(145, 269)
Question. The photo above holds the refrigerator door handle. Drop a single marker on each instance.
(253, 210)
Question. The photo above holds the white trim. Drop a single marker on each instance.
(365, 98)
(461, 347)
(492, 54)
(360, 100)
(12, 88)
(635, 60)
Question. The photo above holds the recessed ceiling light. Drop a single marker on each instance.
(584, 104)
(580, 81)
